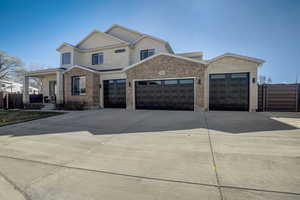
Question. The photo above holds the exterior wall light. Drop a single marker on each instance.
(199, 81)
(129, 84)
(253, 80)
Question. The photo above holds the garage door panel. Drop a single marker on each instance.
(229, 91)
(114, 93)
(165, 94)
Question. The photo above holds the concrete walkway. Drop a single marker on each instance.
(118, 154)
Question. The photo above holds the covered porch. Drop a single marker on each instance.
(51, 87)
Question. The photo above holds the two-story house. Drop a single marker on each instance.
(123, 68)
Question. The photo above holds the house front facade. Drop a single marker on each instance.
(123, 68)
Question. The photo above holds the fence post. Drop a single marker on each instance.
(297, 95)
(7, 100)
(264, 97)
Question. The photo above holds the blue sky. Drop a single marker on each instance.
(266, 29)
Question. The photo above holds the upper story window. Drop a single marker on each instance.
(146, 53)
(78, 85)
(97, 58)
(120, 50)
(66, 58)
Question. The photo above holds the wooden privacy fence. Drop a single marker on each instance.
(13, 101)
(279, 97)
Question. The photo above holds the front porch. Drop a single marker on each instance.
(52, 91)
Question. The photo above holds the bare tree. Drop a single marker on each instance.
(10, 66)
(262, 79)
(36, 83)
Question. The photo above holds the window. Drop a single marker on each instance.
(119, 50)
(121, 81)
(146, 53)
(78, 85)
(217, 76)
(186, 81)
(154, 82)
(170, 82)
(142, 83)
(66, 58)
(244, 75)
(97, 59)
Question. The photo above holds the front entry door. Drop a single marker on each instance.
(52, 89)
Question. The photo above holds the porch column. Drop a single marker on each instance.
(60, 87)
(26, 90)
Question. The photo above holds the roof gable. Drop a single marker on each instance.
(64, 45)
(250, 59)
(98, 39)
(80, 67)
(132, 36)
(124, 33)
(165, 54)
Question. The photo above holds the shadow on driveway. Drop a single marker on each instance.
(117, 121)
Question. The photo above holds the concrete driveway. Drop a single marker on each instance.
(118, 154)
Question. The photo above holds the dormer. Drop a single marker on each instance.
(66, 55)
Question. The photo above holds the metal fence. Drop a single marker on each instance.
(279, 97)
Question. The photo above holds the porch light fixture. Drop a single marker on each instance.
(100, 85)
(199, 81)
(129, 84)
(253, 80)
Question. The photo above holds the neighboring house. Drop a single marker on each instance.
(14, 87)
(123, 68)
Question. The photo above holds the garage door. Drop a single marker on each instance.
(229, 91)
(114, 93)
(171, 94)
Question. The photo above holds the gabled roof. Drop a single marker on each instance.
(153, 38)
(125, 28)
(251, 59)
(99, 32)
(165, 54)
(95, 69)
(142, 36)
(191, 54)
(65, 44)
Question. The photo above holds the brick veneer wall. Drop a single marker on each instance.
(92, 97)
(162, 67)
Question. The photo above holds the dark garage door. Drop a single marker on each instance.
(229, 91)
(171, 94)
(115, 93)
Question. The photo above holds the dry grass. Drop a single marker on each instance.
(16, 116)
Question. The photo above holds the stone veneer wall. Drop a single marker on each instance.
(162, 67)
(92, 97)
